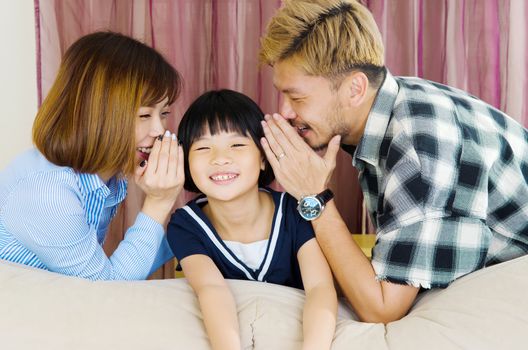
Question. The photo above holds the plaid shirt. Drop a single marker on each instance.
(444, 176)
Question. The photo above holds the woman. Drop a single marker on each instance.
(103, 120)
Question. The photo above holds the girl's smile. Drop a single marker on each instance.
(226, 165)
(224, 178)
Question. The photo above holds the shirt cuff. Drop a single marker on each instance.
(149, 224)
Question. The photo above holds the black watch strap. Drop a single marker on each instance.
(325, 196)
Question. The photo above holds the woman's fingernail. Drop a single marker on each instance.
(167, 133)
(174, 137)
(143, 163)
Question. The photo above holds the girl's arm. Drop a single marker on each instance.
(320, 309)
(216, 301)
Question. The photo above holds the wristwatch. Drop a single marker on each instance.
(310, 207)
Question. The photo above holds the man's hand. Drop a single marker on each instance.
(297, 167)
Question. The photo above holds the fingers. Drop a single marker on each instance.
(272, 159)
(164, 154)
(164, 176)
(154, 156)
(291, 133)
(331, 152)
(140, 170)
(160, 156)
(284, 134)
(180, 169)
(278, 140)
(274, 146)
(173, 156)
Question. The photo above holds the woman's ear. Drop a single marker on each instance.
(262, 164)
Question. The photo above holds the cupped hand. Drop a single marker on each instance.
(162, 177)
(297, 167)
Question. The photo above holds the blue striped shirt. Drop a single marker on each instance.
(54, 218)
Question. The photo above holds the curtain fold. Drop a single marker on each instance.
(478, 46)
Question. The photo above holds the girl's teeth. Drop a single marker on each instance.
(223, 177)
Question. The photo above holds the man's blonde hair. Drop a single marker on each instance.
(325, 38)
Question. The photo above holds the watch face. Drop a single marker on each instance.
(309, 208)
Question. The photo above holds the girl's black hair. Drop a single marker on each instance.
(218, 111)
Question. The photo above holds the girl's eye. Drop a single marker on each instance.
(238, 145)
(165, 114)
(144, 116)
(201, 148)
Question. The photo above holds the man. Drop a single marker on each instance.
(443, 173)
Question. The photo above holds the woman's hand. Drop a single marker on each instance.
(162, 177)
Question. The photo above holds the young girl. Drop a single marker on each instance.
(239, 230)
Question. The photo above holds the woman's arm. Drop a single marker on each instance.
(320, 309)
(216, 301)
(47, 217)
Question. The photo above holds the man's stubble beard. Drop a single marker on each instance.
(338, 127)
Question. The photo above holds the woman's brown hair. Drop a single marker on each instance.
(87, 121)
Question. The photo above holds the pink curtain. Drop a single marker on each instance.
(479, 46)
(213, 44)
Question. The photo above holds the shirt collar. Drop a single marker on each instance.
(92, 183)
(96, 193)
(117, 188)
(377, 122)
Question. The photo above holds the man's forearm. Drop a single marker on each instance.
(372, 300)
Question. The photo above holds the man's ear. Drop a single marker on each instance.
(354, 88)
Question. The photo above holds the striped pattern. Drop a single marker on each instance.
(217, 243)
(53, 218)
(274, 237)
(230, 256)
(190, 232)
(11, 250)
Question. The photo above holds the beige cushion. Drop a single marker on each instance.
(43, 310)
(484, 310)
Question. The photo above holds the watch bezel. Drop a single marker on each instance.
(315, 198)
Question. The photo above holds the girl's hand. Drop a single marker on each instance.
(162, 177)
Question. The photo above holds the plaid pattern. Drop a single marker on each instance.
(444, 177)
